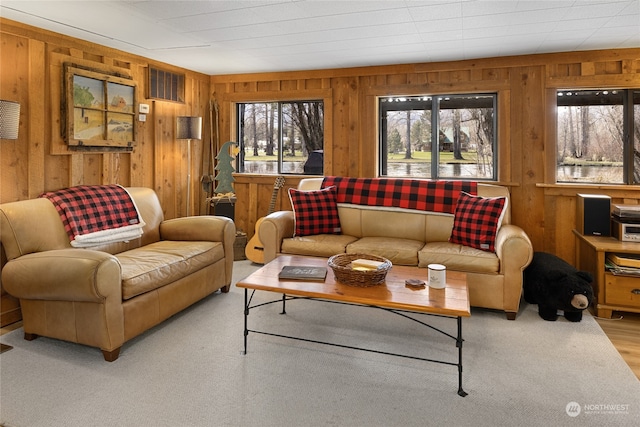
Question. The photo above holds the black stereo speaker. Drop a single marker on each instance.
(223, 207)
(593, 214)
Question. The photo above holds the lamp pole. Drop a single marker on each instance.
(189, 128)
(189, 177)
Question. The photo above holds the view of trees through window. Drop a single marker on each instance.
(598, 136)
(446, 136)
(281, 137)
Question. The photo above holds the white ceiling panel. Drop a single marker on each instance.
(218, 20)
(526, 6)
(434, 12)
(595, 9)
(479, 8)
(442, 36)
(328, 8)
(449, 25)
(237, 36)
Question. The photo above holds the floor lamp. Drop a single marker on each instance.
(189, 128)
(9, 124)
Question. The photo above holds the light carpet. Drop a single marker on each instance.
(189, 371)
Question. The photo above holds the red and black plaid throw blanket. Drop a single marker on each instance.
(94, 214)
(423, 195)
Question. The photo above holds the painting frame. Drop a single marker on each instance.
(100, 110)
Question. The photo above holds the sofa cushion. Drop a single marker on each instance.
(398, 251)
(315, 212)
(323, 245)
(459, 258)
(158, 264)
(476, 221)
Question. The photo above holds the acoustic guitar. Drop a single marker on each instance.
(254, 250)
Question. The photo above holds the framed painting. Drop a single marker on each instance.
(100, 109)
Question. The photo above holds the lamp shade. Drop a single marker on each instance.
(189, 128)
(9, 119)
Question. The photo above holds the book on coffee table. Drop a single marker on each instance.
(302, 272)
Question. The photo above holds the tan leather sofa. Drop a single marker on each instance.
(414, 238)
(106, 295)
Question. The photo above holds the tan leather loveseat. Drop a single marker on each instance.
(106, 295)
(414, 238)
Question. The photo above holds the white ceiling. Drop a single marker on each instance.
(223, 37)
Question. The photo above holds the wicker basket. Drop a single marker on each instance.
(341, 266)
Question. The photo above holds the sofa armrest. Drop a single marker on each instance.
(515, 251)
(273, 229)
(64, 275)
(207, 228)
(513, 247)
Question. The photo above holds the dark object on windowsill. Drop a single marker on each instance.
(315, 163)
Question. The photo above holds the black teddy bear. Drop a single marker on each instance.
(554, 285)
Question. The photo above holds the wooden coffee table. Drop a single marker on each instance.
(393, 296)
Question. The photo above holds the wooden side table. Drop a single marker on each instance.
(612, 292)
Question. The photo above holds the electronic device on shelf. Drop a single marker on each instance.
(593, 214)
(625, 231)
(626, 212)
(625, 222)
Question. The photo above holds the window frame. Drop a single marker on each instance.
(628, 146)
(435, 152)
(324, 95)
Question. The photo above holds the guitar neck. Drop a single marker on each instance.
(276, 187)
(272, 204)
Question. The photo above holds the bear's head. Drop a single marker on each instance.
(573, 291)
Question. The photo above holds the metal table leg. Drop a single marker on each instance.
(459, 340)
(246, 314)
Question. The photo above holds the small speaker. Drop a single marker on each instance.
(593, 214)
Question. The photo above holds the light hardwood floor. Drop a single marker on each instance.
(623, 329)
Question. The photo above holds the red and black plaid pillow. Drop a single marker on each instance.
(477, 220)
(316, 212)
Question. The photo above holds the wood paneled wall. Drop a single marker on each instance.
(32, 74)
(39, 160)
(526, 88)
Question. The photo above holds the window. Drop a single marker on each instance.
(598, 137)
(281, 137)
(444, 136)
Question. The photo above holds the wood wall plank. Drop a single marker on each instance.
(36, 113)
(14, 154)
